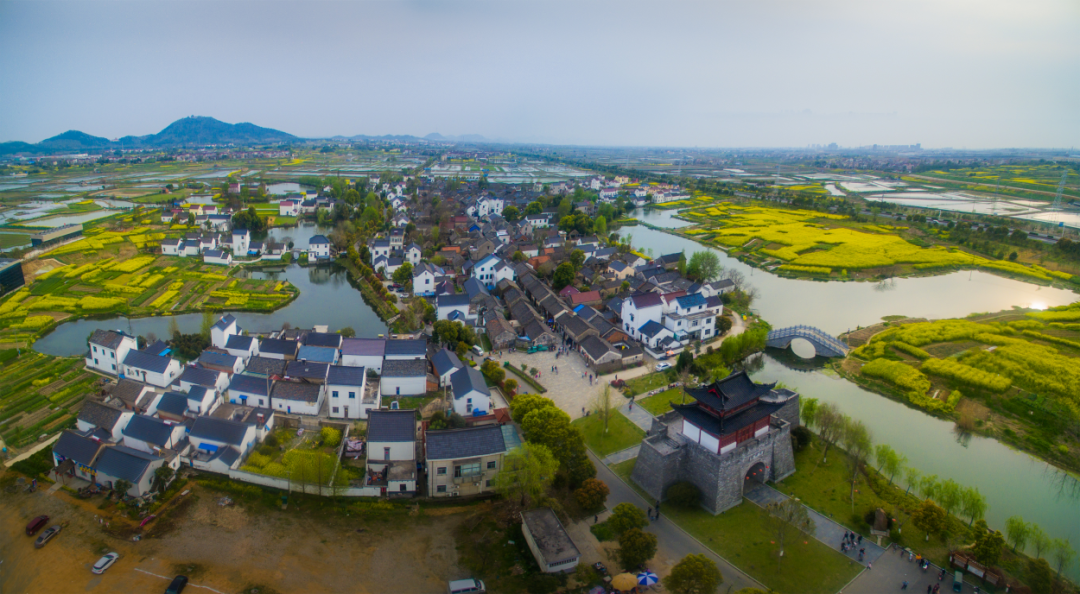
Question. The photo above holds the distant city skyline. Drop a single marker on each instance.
(954, 73)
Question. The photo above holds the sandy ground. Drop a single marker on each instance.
(229, 550)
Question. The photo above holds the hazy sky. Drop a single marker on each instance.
(976, 74)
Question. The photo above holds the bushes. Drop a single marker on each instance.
(899, 374)
(331, 437)
(967, 375)
(683, 494)
(914, 351)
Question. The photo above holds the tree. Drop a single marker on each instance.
(704, 267)
(785, 517)
(808, 411)
(1063, 554)
(889, 461)
(121, 487)
(1039, 576)
(695, 574)
(928, 486)
(858, 443)
(681, 266)
(972, 504)
(564, 275)
(592, 494)
(208, 322)
(988, 544)
(511, 214)
(521, 406)
(684, 494)
(1017, 532)
(565, 206)
(603, 405)
(163, 475)
(347, 332)
(492, 372)
(510, 385)
(518, 256)
(403, 274)
(600, 226)
(636, 548)
(548, 426)
(174, 327)
(929, 518)
(830, 425)
(533, 208)
(624, 517)
(911, 478)
(526, 472)
(948, 495)
(577, 258)
(1040, 541)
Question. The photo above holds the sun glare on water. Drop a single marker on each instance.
(1039, 305)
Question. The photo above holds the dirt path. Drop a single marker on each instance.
(229, 549)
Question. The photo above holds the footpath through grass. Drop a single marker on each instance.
(622, 433)
(659, 404)
(742, 536)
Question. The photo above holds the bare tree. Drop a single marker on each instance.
(830, 425)
(603, 405)
(784, 518)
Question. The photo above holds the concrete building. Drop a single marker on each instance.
(735, 431)
(346, 387)
(549, 542)
(108, 349)
(463, 462)
(391, 450)
(404, 377)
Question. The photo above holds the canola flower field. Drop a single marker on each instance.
(811, 243)
(1024, 366)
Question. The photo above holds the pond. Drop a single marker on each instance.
(837, 307)
(326, 297)
(286, 188)
(1013, 482)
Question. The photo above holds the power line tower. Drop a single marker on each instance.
(1055, 210)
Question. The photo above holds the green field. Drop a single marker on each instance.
(621, 434)
(1012, 375)
(659, 404)
(39, 394)
(10, 240)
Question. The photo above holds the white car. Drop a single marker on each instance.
(663, 366)
(105, 562)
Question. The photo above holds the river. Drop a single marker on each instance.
(1014, 483)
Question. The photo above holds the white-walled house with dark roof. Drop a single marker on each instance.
(297, 397)
(250, 390)
(243, 347)
(463, 462)
(219, 445)
(404, 377)
(155, 370)
(108, 349)
(152, 435)
(222, 329)
(363, 352)
(119, 462)
(345, 387)
(94, 417)
(472, 397)
(391, 450)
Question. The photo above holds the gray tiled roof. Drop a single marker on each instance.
(404, 368)
(125, 463)
(370, 347)
(224, 321)
(416, 347)
(107, 338)
(323, 339)
(298, 391)
(248, 384)
(265, 366)
(216, 359)
(454, 300)
(200, 376)
(454, 444)
(222, 430)
(128, 391)
(99, 415)
(391, 425)
(306, 370)
(148, 429)
(339, 375)
(445, 360)
(173, 403)
(276, 346)
(239, 342)
(468, 379)
(141, 360)
(76, 447)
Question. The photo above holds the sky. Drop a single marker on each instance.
(717, 73)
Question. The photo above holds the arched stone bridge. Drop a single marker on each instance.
(825, 344)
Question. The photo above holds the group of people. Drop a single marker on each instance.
(555, 370)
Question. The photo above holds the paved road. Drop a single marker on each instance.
(673, 542)
(892, 570)
(37, 448)
(825, 530)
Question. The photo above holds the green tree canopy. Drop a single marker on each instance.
(511, 214)
(403, 274)
(526, 472)
(988, 544)
(636, 548)
(564, 275)
(626, 516)
(695, 574)
(704, 267)
(521, 406)
(1017, 532)
(592, 494)
(929, 518)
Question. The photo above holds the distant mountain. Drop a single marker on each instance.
(435, 136)
(191, 131)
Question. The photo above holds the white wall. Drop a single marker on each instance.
(399, 450)
(691, 431)
(479, 402)
(709, 442)
(372, 362)
(343, 400)
(404, 386)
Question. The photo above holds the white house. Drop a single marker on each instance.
(201, 400)
(105, 421)
(445, 362)
(380, 247)
(690, 318)
(108, 349)
(243, 347)
(250, 390)
(119, 462)
(345, 387)
(491, 270)
(211, 379)
(453, 306)
(404, 377)
(297, 398)
(539, 221)
(425, 276)
(241, 241)
(150, 369)
(220, 444)
(172, 247)
(549, 542)
(217, 257)
(406, 350)
(413, 254)
(80, 450)
(152, 435)
(288, 208)
(222, 330)
(319, 247)
(363, 352)
(471, 394)
(639, 309)
(391, 449)
(609, 194)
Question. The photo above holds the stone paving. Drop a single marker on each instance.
(892, 569)
(825, 529)
(568, 389)
(623, 455)
(641, 417)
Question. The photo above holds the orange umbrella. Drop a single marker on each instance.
(624, 581)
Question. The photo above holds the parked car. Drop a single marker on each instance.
(105, 562)
(46, 536)
(178, 584)
(663, 366)
(618, 383)
(36, 524)
(469, 586)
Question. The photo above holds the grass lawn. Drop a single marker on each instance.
(9, 240)
(661, 403)
(622, 433)
(742, 536)
(645, 383)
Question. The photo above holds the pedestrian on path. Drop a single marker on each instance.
(903, 586)
(595, 519)
(929, 589)
(869, 565)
